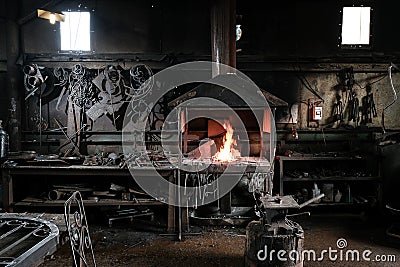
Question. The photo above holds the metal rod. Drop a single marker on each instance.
(12, 231)
(17, 242)
(40, 121)
(31, 93)
(392, 209)
(311, 200)
(299, 214)
(179, 207)
(69, 139)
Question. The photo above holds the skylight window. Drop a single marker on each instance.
(356, 25)
(75, 31)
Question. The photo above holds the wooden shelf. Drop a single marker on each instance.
(316, 158)
(334, 160)
(333, 178)
(331, 204)
(101, 202)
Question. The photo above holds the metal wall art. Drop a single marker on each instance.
(93, 93)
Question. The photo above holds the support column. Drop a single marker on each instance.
(223, 50)
(223, 34)
(14, 77)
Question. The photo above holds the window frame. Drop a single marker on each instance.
(77, 51)
(371, 23)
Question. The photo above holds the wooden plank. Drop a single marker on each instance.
(333, 178)
(102, 202)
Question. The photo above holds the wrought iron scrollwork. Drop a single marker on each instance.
(78, 231)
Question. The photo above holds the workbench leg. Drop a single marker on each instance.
(185, 218)
(280, 177)
(171, 215)
(225, 204)
(171, 209)
(8, 196)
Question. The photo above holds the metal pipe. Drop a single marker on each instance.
(55, 195)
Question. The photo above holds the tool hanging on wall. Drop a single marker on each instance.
(346, 77)
(349, 78)
(338, 110)
(368, 107)
(354, 107)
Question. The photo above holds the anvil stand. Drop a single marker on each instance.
(275, 231)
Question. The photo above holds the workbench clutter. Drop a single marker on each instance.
(346, 179)
(90, 192)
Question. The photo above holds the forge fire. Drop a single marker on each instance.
(227, 151)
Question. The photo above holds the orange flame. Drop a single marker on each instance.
(227, 152)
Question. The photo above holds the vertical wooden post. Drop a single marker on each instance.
(8, 190)
(171, 209)
(223, 50)
(14, 77)
(223, 34)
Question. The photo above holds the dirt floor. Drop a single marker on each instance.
(225, 246)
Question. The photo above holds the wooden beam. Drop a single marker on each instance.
(14, 76)
(223, 34)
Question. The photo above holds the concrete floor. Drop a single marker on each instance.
(361, 233)
(224, 246)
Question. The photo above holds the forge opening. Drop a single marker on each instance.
(223, 139)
